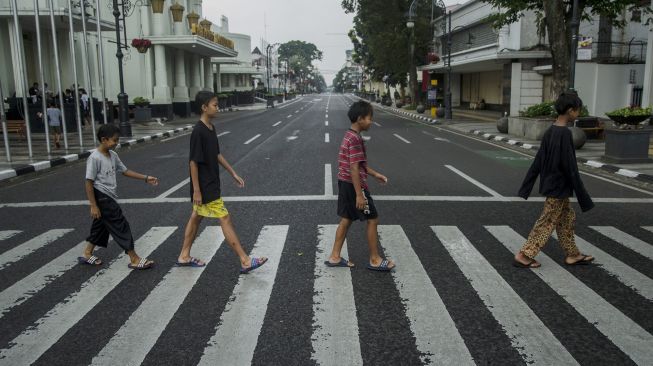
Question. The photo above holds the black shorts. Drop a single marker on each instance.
(111, 221)
(347, 203)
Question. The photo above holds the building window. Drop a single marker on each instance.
(241, 80)
(224, 80)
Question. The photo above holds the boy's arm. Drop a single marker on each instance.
(147, 178)
(380, 177)
(570, 168)
(95, 210)
(356, 181)
(531, 176)
(225, 164)
(195, 181)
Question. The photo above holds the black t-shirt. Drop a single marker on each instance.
(204, 150)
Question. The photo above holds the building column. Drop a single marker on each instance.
(196, 80)
(208, 74)
(647, 95)
(161, 88)
(16, 64)
(515, 89)
(180, 100)
(218, 81)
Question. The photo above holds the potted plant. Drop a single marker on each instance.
(157, 6)
(629, 142)
(142, 112)
(141, 44)
(535, 120)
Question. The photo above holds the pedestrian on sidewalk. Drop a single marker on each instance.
(555, 164)
(204, 161)
(354, 199)
(54, 121)
(101, 189)
(86, 110)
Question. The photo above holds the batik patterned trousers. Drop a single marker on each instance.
(559, 215)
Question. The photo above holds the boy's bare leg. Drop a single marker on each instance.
(341, 235)
(88, 252)
(189, 236)
(232, 239)
(373, 244)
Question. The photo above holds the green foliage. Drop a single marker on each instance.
(630, 111)
(539, 110)
(140, 101)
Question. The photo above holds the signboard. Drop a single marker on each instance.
(432, 95)
(584, 48)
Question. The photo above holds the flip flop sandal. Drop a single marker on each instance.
(142, 264)
(581, 262)
(91, 261)
(343, 263)
(255, 263)
(383, 267)
(193, 262)
(532, 264)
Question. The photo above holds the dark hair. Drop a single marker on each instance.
(107, 131)
(567, 100)
(203, 97)
(358, 110)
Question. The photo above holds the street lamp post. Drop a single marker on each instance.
(268, 62)
(575, 23)
(123, 99)
(447, 95)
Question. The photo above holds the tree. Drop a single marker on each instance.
(554, 17)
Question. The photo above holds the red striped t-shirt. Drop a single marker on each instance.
(352, 150)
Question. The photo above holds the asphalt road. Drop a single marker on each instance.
(449, 218)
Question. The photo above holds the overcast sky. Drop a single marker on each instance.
(321, 22)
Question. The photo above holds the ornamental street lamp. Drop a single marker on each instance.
(575, 22)
(123, 99)
(268, 62)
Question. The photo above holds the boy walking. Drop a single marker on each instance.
(101, 189)
(204, 161)
(54, 121)
(354, 199)
(556, 165)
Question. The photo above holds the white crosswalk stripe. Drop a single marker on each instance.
(240, 324)
(33, 342)
(536, 344)
(618, 328)
(336, 331)
(437, 337)
(335, 339)
(135, 338)
(23, 250)
(6, 234)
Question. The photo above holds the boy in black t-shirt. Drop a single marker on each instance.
(556, 165)
(205, 186)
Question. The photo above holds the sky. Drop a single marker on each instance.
(321, 22)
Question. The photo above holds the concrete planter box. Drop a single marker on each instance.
(531, 128)
(627, 146)
(142, 114)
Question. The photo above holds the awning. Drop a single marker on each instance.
(193, 44)
(225, 60)
(487, 62)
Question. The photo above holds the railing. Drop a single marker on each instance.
(631, 52)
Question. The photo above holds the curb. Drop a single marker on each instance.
(47, 164)
(647, 178)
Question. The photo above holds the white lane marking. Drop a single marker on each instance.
(634, 341)
(252, 139)
(326, 123)
(441, 139)
(401, 138)
(276, 124)
(627, 240)
(136, 201)
(6, 234)
(328, 181)
(223, 133)
(335, 338)
(139, 333)
(297, 111)
(290, 115)
(27, 287)
(528, 335)
(326, 116)
(480, 185)
(173, 189)
(19, 252)
(367, 138)
(240, 323)
(326, 137)
(378, 124)
(640, 283)
(37, 339)
(435, 332)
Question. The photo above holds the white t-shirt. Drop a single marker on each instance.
(102, 170)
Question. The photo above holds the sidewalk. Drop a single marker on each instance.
(483, 124)
(22, 164)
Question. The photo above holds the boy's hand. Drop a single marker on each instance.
(239, 181)
(95, 212)
(152, 180)
(360, 202)
(197, 198)
(381, 178)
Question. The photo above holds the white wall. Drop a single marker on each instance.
(604, 87)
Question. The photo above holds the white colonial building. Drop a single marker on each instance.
(510, 68)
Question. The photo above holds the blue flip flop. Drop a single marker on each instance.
(193, 262)
(343, 263)
(255, 263)
(383, 267)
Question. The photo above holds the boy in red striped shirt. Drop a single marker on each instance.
(354, 199)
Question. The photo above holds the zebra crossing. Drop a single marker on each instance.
(335, 338)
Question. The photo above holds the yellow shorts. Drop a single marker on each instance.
(212, 209)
